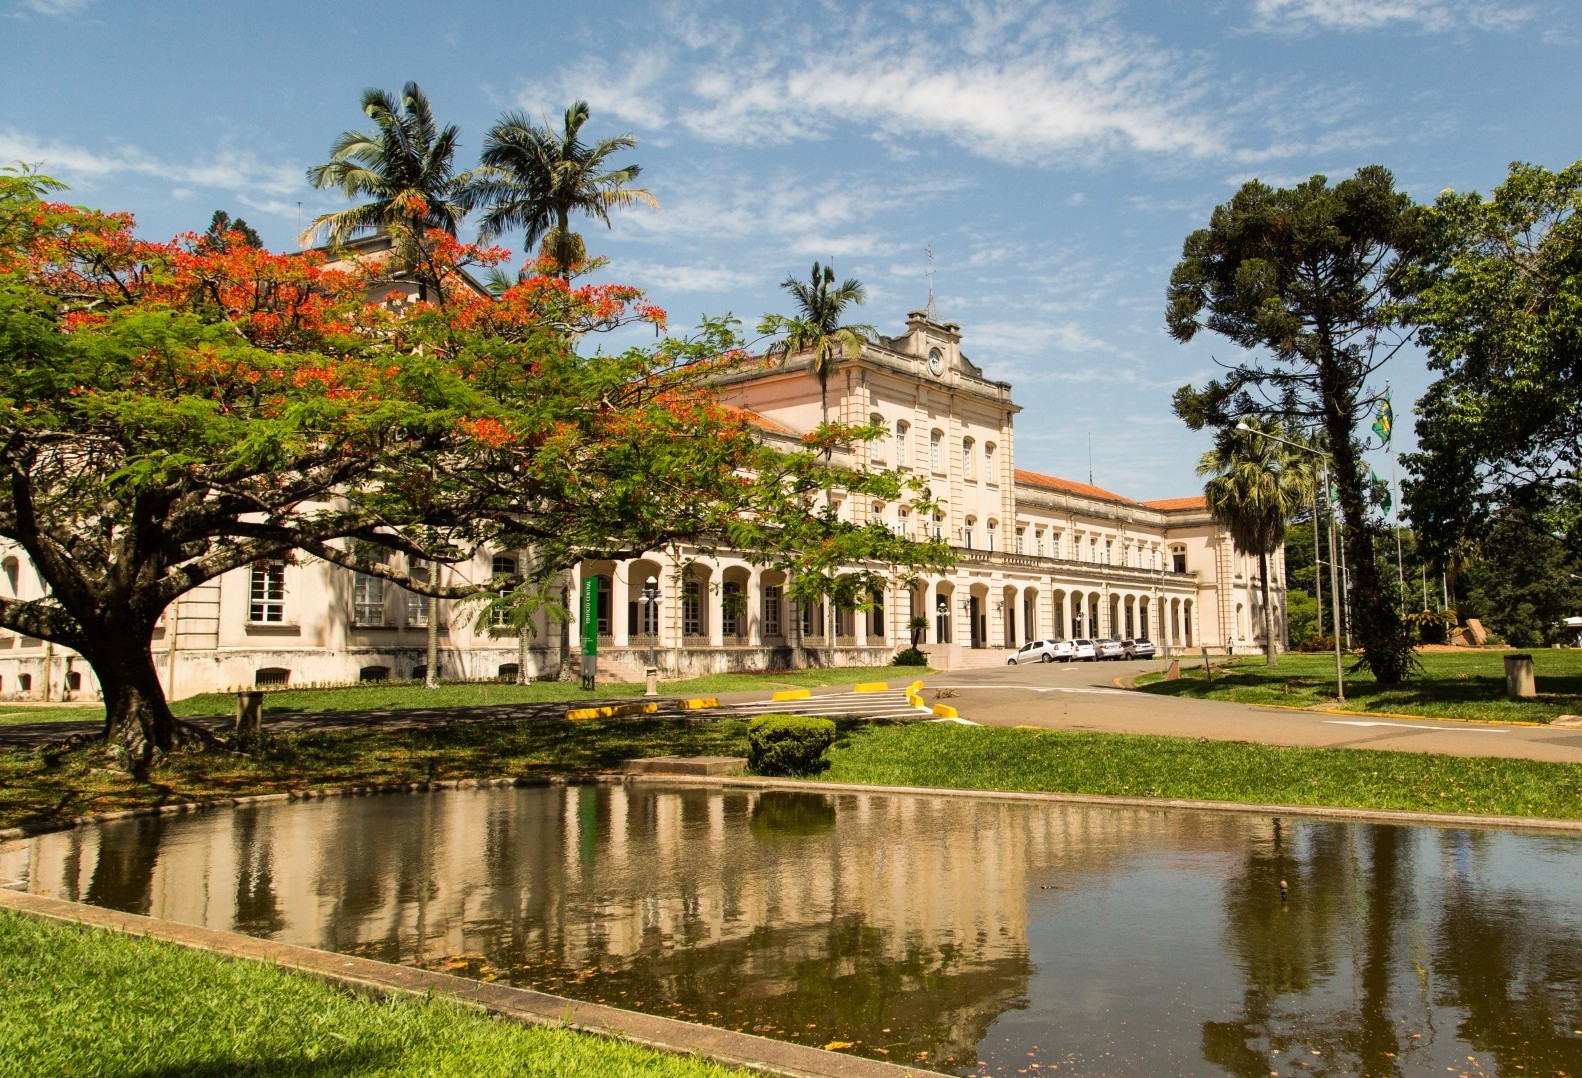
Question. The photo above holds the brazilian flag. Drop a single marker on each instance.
(1381, 492)
(1386, 421)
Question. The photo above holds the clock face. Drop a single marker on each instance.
(936, 362)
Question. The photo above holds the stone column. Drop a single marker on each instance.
(620, 595)
(714, 603)
(754, 613)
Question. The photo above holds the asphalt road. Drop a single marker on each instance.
(1086, 696)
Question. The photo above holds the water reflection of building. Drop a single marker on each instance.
(926, 923)
(810, 896)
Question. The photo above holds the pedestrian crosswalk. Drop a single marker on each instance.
(891, 704)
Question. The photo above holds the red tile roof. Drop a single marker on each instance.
(1067, 486)
(759, 421)
(1167, 504)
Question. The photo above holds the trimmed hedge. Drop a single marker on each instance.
(788, 744)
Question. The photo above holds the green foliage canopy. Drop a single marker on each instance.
(1498, 303)
(175, 411)
(1302, 279)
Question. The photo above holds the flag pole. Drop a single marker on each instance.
(1400, 564)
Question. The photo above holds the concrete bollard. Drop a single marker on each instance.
(1519, 681)
(249, 712)
(1174, 673)
(652, 674)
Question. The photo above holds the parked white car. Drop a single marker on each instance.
(1083, 649)
(1105, 648)
(1043, 651)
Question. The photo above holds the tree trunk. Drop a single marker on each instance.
(139, 727)
(1385, 648)
(1268, 616)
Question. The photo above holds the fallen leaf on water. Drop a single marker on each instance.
(835, 1046)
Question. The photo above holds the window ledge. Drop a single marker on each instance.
(274, 628)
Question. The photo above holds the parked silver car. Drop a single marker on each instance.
(1106, 648)
(1139, 649)
(1043, 651)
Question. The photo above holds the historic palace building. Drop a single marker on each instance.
(1041, 557)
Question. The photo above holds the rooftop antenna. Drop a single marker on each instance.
(929, 309)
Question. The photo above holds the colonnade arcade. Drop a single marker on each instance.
(665, 604)
(981, 614)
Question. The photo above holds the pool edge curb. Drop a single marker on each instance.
(1398, 816)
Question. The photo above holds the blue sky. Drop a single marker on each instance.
(1053, 155)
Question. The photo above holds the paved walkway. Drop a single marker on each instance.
(1085, 696)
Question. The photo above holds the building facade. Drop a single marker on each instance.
(1040, 557)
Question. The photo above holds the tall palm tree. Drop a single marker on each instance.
(534, 178)
(403, 168)
(1257, 485)
(816, 326)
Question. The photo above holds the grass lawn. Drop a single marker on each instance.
(39, 785)
(13, 714)
(85, 1001)
(401, 696)
(1451, 685)
(1129, 765)
(36, 786)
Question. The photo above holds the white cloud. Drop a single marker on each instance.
(224, 169)
(1084, 95)
(659, 278)
(1295, 16)
(1010, 80)
(54, 8)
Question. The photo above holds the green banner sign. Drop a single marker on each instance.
(590, 616)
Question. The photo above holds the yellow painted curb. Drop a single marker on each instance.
(915, 699)
(577, 713)
(916, 688)
(791, 694)
(871, 686)
(699, 702)
(945, 711)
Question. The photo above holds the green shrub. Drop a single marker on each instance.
(788, 744)
(909, 657)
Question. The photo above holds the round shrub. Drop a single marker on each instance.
(909, 657)
(788, 744)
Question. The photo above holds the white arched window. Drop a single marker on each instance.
(901, 429)
(876, 447)
(993, 528)
(988, 463)
(936, 446)
(967, 459)
(502, 565)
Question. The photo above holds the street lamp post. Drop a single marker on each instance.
(1334, 590)
(650, 600)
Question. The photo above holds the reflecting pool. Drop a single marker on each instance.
(965, 935)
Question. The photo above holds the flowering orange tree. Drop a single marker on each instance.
(174, 411)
